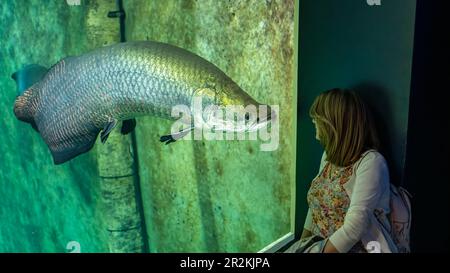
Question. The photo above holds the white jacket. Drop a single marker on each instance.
(368, 189)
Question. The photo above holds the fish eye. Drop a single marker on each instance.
(247, 116)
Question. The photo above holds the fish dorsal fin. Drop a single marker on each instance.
(27, 76)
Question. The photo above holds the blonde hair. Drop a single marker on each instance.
(345, 126)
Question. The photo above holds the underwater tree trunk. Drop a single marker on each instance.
(121, 205)
(119, 187)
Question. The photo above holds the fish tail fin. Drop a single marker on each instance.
(23, 110)
(26, 78)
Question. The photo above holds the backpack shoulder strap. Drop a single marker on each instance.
(358, 162)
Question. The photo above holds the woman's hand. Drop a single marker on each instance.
(329, 248)
(306, 233)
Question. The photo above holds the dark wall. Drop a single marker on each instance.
(426, 171)
(350, 44)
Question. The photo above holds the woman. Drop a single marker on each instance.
(353, 180)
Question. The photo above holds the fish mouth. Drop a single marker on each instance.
(246, 121)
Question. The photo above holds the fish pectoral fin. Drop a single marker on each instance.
(107, 130)
(128, 126)
(167, 139)
(174, 137)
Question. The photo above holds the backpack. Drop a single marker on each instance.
(397, 224)
(399, 218)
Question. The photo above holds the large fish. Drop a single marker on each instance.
(79, 97)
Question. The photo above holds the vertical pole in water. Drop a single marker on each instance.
(119, 186)
(121, 202)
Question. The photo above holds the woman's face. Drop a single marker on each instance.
(317, 128)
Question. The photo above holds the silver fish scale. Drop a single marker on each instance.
(80, 95)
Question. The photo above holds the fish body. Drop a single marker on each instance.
(83, 95)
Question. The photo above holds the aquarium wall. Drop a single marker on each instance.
(134, 194)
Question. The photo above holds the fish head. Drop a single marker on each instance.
(229, 108)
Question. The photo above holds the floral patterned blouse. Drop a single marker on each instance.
(329, 202)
